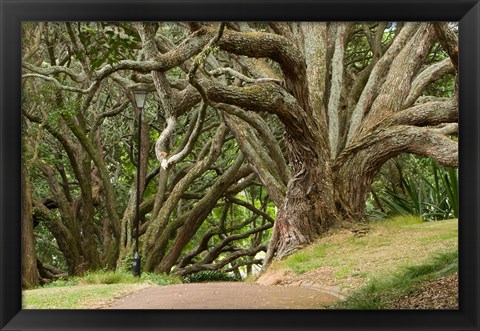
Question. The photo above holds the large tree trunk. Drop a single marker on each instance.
(85, 217)
(29, 258)
(309, 208)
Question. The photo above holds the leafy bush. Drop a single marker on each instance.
(160, 279)
(432, 197)
(107, 277)
(62, 282)
(210, 276)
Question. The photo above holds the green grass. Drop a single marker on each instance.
(75, 297)
(307, 259)
(394, 257)
(92, 290)
(344, 271)
(110, 277)
(380, 291)
(402, 221)
(388, 245)
(442, 236)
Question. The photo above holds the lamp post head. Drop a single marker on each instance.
(140, 97)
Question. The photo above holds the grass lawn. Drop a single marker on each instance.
(93, 290)
(76, 297)
(350, 262)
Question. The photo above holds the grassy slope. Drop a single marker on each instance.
(380, 292)
(349, 263)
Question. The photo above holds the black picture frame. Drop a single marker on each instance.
(13, 12)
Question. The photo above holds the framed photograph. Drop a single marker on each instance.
(287, 165)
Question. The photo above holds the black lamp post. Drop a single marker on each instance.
(139, 97)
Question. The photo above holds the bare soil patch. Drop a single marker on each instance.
(441, 293)
(322, 279)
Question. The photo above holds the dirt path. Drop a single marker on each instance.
(223, 295)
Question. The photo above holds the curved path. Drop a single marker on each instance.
(224, 295)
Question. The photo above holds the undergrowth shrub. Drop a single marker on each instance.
(209, 276)
(432, 195)
(111, 277)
